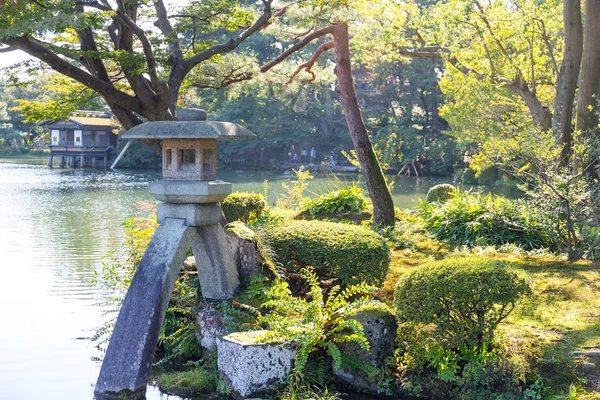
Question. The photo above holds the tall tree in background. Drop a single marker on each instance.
(513, 48)
(383, 205)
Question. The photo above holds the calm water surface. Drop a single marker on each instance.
(55, 227)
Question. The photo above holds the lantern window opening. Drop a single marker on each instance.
(187, 159)
(169, 158)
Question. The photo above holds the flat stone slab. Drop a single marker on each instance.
(189, 192)
(250, 367)
(194, 214)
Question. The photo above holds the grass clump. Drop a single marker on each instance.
(349, 200)
(184, 383)
(474, 220)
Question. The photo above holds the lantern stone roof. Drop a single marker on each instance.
(188, 130)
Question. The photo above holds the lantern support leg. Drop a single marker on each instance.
(128, 359)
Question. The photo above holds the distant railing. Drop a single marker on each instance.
(68, 143)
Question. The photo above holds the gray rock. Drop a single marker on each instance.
(245, 253)
(250, 368)
(211, 323)
(191, 114)
(216, 267)
(380, 327)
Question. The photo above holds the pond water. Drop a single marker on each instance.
(55, 227)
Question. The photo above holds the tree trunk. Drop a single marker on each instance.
(589, 80)
(567, 78)
(383, 206)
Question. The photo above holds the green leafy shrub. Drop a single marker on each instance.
(349, 200)
(242, 206)
(315, 322)
(449, 311)
(440, 193)
(464, 298)
(488, 176)
(474, 220)
(351, 253)
(468, 177)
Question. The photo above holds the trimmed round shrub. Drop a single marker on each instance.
(488, 176)
(468, 177)
(351, 253)
(242, 206)
(463, 298)
(440, 193)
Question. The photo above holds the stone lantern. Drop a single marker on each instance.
(189, 217)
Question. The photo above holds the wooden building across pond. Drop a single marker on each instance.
(82, 140)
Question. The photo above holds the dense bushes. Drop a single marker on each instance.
(351, 199)
(468, 177)
(448, 312)
(242, 206)
(440, 193)
(471, 219)
(351, 253)
(465, 298)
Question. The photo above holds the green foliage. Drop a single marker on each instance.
(348, 200)
(464, 298)
(566, 197)
(488, 176)
(450, 310)
(440, 193)
(468, 177)
(242, 206)
(471, 219)
(293, 198)
(315, 322)
(350, 253)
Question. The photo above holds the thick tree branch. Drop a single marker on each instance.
(166, 28)
(94, 4)
(232, 43)
(7, 49)
(108, 91)
(307, 66)
(157, 85)
(292, 49)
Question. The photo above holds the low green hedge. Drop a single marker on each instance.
(351, 253)
(440, 193)
(242, 206)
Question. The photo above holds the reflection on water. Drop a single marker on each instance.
(55, 227)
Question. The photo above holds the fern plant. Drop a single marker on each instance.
(315, 322)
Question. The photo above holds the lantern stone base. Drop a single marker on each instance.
(189, 192)
(194, 214)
